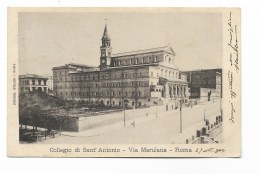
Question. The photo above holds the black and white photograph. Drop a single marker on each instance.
(155, 80)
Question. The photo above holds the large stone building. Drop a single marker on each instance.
(32, 82)
(205, 82)
(138, 77)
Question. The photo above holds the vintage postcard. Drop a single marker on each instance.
(124, 82)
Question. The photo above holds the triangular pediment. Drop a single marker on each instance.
(169, 50)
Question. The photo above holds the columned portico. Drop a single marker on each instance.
(174, 89)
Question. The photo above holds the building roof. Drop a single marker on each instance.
(219, 70)
(158, 49)
(32, 76)
(80, 65)
(105, 34)
(75, 66)
(173, 80)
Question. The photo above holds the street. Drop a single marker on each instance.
(164, 129)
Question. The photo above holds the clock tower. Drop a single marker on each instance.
(106, 50)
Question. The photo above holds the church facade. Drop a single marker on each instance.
(137, 78)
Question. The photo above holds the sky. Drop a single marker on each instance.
(49, 39)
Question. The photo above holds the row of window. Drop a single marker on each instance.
(24, 82)
(107, 93)
(170, 60)
(136, 61)
(34, 89)
(40, 82)
(168, 73)
(59, 73)
(34, 82)
(120, 84)
(113, 103)
(102, 76)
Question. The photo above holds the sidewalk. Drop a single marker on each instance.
(104, 129)
(129, 123)
(180, 138)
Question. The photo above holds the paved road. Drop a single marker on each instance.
(149, 130)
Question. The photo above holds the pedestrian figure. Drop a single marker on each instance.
(209, 94)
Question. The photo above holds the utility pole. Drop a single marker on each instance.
(180, 116)
(204, 114)
(124, 116)
(124, 106)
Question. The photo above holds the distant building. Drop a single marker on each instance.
(205, 82)
(50, 85)
(32, 82)
(50, 82)
(139, 78)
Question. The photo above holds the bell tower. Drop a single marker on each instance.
(106, 50)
